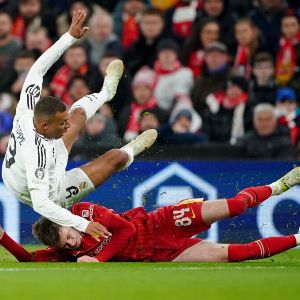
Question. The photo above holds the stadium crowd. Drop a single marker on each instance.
(198, 71)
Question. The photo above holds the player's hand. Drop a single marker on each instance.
(86, 258)
(1, 232)
(97, 230)
(76, 29)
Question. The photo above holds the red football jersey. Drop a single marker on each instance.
(160, 235)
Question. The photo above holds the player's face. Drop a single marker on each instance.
(69, 238)
(58, 126)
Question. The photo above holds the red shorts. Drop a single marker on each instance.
(174, 227)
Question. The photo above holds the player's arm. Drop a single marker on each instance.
(31, 89)
(15, 248)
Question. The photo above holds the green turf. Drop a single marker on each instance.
(276, 278)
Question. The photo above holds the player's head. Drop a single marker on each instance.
(51, 234)
(51, 117)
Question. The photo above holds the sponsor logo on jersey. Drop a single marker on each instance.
(85, 213)
(102, 245)
(83, 185)
(40, 173)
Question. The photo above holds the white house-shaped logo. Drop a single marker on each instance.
(170, 194)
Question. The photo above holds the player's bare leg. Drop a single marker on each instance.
(204, 252)
(87, 106)
(105, 165)
(212, 252)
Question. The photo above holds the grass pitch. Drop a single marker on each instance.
(269, 279)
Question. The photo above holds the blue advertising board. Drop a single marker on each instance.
(156, 183)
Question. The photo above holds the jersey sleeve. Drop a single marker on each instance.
(31, 90)
(51, 255)
(16, 249)
(45, 207)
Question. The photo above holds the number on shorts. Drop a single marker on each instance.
(178, 217)
(12, 150)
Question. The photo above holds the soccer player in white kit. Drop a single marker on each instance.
(43, 134)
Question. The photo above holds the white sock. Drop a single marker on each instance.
(276, 188)
(129, 151)
(297, 237)
(91, 103)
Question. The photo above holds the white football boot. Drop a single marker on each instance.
(114, 73)
(286, 182)
(142, 142)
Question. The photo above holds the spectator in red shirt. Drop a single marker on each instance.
(75, 60)
(162, 235)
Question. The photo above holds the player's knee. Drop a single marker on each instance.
(117, 157)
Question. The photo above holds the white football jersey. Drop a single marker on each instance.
(34, 167)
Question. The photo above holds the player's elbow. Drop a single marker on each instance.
(38, 206)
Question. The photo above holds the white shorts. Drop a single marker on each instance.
(78, 185)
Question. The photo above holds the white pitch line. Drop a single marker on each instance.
(153, 268)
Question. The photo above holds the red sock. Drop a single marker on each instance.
(248, 197)
(261, 248)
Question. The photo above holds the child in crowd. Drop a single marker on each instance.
(288, 112)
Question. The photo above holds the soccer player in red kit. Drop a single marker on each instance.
(162, 235)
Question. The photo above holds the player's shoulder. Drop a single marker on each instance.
(87, 209)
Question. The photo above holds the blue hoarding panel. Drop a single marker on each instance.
(157, 183)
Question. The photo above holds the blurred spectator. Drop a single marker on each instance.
(268, 139)
(171, 76)
(266, 16)
(123, 95)
(101, 37)
(126, 19)
(205, 32)
(75, 60)
(214, 76)
(4, 139)
(288, 112)
(142, 87)
(9, 6)
(37, 39)
(249, 43)
(179, 130)
(9, 49)
(143, 51)
(219, 10)
(151, 118)
(32, 14)
(262, 87)
(77, 88)
(7, 111)
(240, 8)
(288, 56)
(23, 63)
(223, 118)
(180, 18)
(63, 21)
(99, 131)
